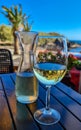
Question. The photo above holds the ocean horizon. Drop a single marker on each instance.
(76, 41)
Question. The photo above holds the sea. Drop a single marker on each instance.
(76, 41)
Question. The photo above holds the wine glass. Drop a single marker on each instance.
(50, 66)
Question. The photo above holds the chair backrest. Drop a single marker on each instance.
(6, 62)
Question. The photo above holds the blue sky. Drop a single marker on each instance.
(61, 16)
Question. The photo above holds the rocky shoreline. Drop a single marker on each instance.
(73, 44)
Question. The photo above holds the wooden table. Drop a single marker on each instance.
(17, 116)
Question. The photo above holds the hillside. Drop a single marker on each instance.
(50, 33)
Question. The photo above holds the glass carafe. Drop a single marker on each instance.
(26, 83)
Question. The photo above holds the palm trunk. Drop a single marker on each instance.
(16, 46)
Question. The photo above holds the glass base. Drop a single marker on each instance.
(47, 117)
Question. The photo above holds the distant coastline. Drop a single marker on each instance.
(74, 43)
(75, 46)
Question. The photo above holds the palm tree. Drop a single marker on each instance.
(27, 25)
(17, 20)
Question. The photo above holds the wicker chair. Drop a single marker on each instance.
(6, 62)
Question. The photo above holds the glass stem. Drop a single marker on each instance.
(47, 97)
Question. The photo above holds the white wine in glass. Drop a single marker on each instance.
(50, 66)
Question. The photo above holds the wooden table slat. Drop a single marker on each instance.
(70, 92)
(64, 113)
(5, 118)
(68, 102)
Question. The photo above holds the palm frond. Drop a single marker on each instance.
(20, 11)
(4, 14)
(8, 12)
(5, 8)
(16, 11)
(28, 26)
